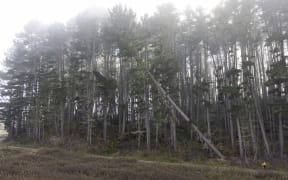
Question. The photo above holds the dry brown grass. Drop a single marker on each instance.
(60, 164)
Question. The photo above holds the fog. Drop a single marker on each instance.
(14, 14)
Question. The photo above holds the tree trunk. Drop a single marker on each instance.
(147, 117)
(261, 123)
(105, 123)
(281, 136)
(173, 130)
(252, 133)
(139, 132)
(208, 124)
(62, 119)
(240, 139)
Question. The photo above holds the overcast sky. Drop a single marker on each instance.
(15, 13)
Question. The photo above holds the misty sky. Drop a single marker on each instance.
(15, 13)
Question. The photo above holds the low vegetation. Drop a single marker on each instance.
(56, 163)
(74, 159)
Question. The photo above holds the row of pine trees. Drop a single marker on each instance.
(89, 78)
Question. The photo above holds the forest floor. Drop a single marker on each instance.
(23, 162)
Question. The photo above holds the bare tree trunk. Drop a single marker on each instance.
(281, 136)
(105, 123)
(61, 83)
(240, 139)
(252, 133)
(156, 134)
(139, 132)
(173, 130)
(124, 95)
(37, 106)
(173, 134)
(261, 123)
(56, 125)
(62, 119)
(69, 116)
(90, 93)
(147, 117)
(208, 124)
(89, 129)
(230, 125)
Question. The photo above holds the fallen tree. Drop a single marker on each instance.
(195, 128)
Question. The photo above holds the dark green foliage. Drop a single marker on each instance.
(233, 72)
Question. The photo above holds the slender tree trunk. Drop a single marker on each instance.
(89, 129)
(261, 123)
(157, 134)
(173, 130)
(173, 134)
(240, 138)
(281, 136)
(147, 117)
(230, 125)
(252, 133)
(62, 119)
(69, 117)
(139, 132)
(61, 84)
(208, 124)
(105, 123)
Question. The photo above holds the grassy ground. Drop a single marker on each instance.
(55, 163)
